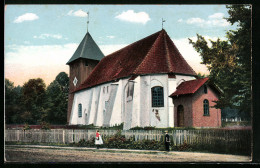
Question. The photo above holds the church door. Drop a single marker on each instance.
(180, 116)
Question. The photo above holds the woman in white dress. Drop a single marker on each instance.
(98, 140)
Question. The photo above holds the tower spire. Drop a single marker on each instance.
(162, 22)
(87, 21)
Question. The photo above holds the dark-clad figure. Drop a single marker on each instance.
(167, 141)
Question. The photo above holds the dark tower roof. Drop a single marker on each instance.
(155, 54)
(87, 49)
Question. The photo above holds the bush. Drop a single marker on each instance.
(90, 126)
(120, 142)
(26, 126)
(115, 127)
(45, 125)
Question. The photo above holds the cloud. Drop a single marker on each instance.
(216, 16)
(111, 37)
(215, 20)
(133, 17)
(78, 13)
(44, 36)
(180, 20)
(195, 20)
(26, 17)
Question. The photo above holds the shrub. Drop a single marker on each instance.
(26, 126)
(45, 125)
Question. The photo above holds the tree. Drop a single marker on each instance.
(200, 75)
(12, 102)
(33, 99)
(229, 62)
(57, 93)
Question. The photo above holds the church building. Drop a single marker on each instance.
(147, 83)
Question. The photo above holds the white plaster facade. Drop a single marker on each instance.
(127, 101)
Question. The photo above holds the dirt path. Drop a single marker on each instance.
(38, 154)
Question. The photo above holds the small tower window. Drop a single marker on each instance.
(80, 110)
(206, 107)
(75, 81)
(205, 89)
(157, 97)
(86, 62)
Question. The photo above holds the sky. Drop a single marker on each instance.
(40, 39)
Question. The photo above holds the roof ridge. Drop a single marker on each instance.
(84, 44)
(167, 54)
(149, 51)
(193, 81)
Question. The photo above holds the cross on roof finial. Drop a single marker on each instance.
(162, 22)
(87, 21)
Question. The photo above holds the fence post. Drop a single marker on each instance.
(18, 135)
(63, 136)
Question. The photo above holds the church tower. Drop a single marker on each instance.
(81, 64)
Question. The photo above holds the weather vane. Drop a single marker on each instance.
(87, 21)
(162, 22)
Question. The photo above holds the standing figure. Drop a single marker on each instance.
(167, 141)
(98, 140)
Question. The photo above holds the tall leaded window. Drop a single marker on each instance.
(206, 107)
(157, 97)
(80, 110)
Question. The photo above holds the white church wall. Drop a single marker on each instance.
(133, 111)
(109, 104)
(145, 100)
(171, 89)
(159, 115)
(73, 117)
(94, 105)
(98, 120)
(83, 98)
(128, 107)
(136, 101)
(118, 115)
(182, 78)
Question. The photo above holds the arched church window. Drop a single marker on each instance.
(206, 107)
(80, 110)
(157, 96)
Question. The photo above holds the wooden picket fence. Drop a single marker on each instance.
(178, 137)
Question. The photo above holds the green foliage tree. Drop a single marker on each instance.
(229, 62)
(57, 93)
(34, 101)
(12, 102)
(200, 75)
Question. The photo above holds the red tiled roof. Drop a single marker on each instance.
(153, 54)
(189, 87)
